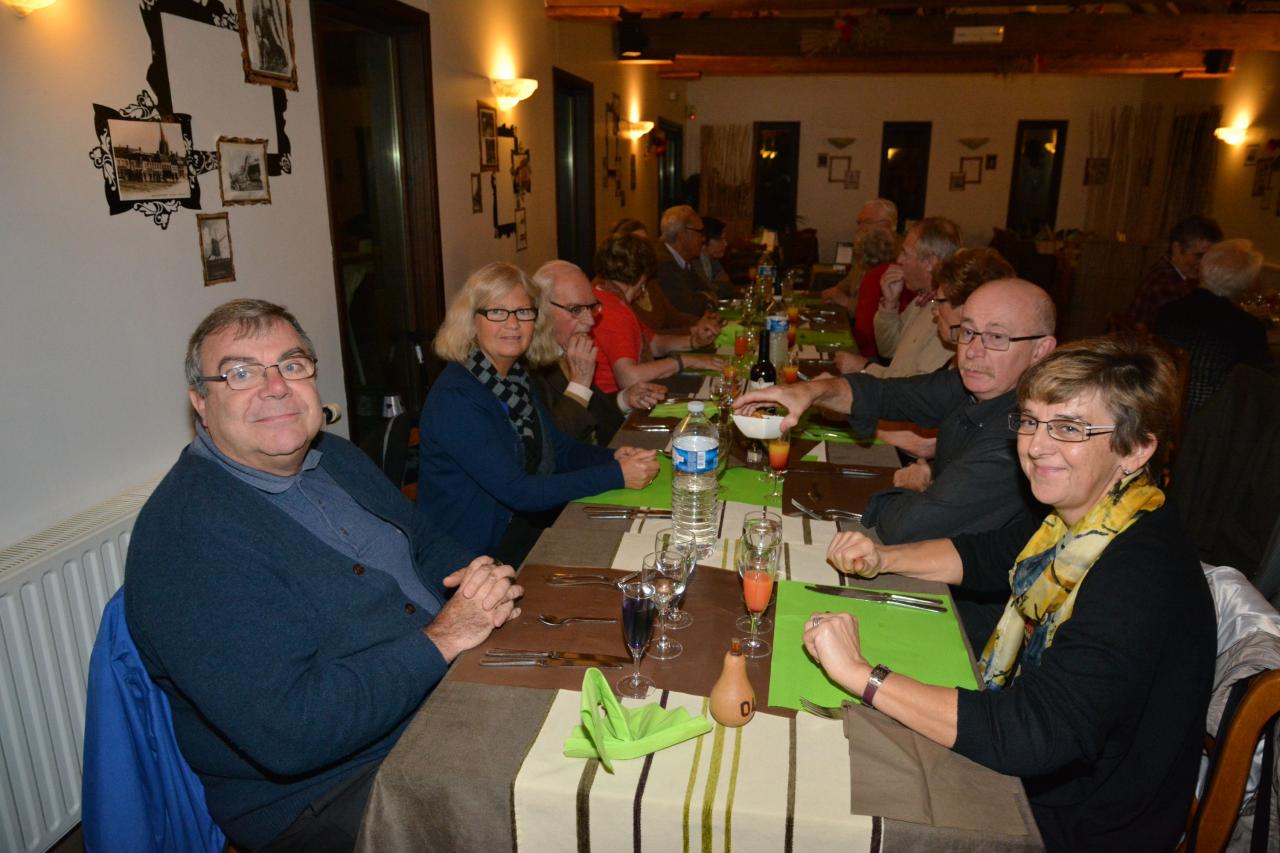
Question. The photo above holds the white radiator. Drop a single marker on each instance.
(53, 587)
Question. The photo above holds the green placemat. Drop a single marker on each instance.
(730, 314)
(806, 298)
(736, 484)
(820, 337)
(923, 645)
(728, 332)
(679, 410)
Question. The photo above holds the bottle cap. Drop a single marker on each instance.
(696, 406)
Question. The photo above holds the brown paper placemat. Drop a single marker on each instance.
(834, 491)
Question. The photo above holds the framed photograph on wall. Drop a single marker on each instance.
(971, 167)
(477, 196)
(146, 160)
(487, 117)
(522, 230)
(853, 179)
(216, 259)
(836, 168)
(242, 171)
(1250, 155)
(957, 182)
(266, 42)
(991, 162)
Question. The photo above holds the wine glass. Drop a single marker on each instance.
(761, 531)
(791, 370)
(667, 539)
(667, 570)
(779, 453)
(756, 570)
(637, 624)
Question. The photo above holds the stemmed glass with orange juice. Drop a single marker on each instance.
(779, 453)
(757, 570)
(790, 372)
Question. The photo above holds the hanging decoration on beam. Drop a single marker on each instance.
(848, 34)
(973, 143)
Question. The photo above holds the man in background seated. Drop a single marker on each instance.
(681, 245)
(877, 213)
(287, 598)
(1174, 276)
(1208, 325)
(910, 334)
(582, 411)
(974, 482)
(710, 261)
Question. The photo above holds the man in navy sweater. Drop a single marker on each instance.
(292, 605)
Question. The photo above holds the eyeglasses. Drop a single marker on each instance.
(994, 341)
(500, 315)
(696, 230)
(593, 308)
(243, 377)
(1063, 429)
(938, 299)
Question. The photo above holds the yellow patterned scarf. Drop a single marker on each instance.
(1049, 571)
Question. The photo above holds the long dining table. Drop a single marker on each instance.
(481, 766)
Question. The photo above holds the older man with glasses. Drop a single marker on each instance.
(286, 597)
(682, 241)
(973, 483)
(580, 409)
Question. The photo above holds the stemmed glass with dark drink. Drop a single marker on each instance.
(638, 609)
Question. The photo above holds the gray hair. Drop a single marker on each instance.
(937, 237)
(251, 317)
(887, 207)
(457, 335)
(674, 220)
(875, 246)
(1229, 267)
(551, 272)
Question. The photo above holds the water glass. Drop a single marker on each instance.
(667, 539)
(667, 571)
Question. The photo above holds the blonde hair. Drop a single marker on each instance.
(457, 335)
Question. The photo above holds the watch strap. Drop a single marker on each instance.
(878, 675)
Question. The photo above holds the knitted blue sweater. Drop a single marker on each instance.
(288, 667)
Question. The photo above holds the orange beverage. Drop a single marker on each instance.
(757, 587)
(740, 345)
(779, 450)
(791, 337)
(790, 373)
(793, 315)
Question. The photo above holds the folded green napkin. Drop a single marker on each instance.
(626, 732)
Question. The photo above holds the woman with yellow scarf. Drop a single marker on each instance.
(1097, 676)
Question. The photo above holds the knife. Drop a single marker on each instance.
(911, 601)
(526, 653)
(549, 662)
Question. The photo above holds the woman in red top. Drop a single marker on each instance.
(876, 250)
(628, 350)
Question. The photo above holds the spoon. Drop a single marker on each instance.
(556, 621)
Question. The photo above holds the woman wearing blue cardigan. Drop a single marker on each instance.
(494, 468)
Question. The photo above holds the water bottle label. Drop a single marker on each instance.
(777, 323)
(692, 461)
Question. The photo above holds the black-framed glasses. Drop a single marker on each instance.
(1063, 429)
(500, 315)
(244, 377)
(994, 341)
(592, 308)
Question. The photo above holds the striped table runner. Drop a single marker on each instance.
(770, 785)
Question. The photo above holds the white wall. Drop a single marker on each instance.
(97, 308)
(959, 106)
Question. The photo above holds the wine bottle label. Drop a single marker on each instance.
(756, 385)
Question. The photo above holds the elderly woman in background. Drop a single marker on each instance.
(629, 350)
(873, 250)
(1097, 677)
(494, 467)
(957, 278)
(1208, 324)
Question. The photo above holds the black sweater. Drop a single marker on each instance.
(1106, 731)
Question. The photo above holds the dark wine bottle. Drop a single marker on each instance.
(762, 373)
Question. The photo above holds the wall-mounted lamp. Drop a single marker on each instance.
(634, 129)
(26, 7)
(513, 91)
(1232, 135)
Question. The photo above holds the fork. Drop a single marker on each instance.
(827, 514)
(836, 713)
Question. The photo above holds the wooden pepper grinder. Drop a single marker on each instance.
(733, 701)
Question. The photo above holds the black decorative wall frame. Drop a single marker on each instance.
(503, 229)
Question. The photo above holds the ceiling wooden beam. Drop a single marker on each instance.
(595, 10)
(971, 63)
(891, 35)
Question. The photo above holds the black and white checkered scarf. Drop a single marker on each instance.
(512, 392)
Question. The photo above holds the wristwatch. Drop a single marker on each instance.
(679, 362)
(878, 675)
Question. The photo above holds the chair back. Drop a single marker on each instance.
(138, 793)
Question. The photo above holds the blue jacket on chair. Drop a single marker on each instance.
(138, 792)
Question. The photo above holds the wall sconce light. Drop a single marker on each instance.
(511, 92)
(634, 129)
(1232, 135)
(26, 7)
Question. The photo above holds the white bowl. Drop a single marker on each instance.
(760, 429)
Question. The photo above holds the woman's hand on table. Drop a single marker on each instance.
(915, 477)
(853, 553)
(581, 355)
(642, 395)
(831, 639)
(703, 362)
(639, 467)
(703, 333)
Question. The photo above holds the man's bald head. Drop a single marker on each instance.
(1015, 311)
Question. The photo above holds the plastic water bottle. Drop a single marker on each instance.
(695, 452)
